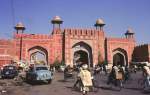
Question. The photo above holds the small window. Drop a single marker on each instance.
(41, 68)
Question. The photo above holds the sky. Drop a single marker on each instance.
(36, 15)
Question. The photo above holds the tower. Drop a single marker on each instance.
(19, 28)
(56, 21)
(99, 24)
(57, 39)
(129, 33)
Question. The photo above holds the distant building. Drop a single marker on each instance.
(71, 46)
(141, 53)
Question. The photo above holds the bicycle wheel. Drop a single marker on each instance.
(95, 86)
(141, 84)
(119, 84)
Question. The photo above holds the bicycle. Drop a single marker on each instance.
(143, 84)
(116, 81)
(84, 89)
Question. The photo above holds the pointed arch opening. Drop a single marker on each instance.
(120, 57)
(82, 53)
(38, 55)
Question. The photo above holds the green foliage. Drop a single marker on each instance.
(62, 63)
(57, 64)
(99, 56)
(105, 62)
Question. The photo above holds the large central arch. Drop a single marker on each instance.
(38, 54)
(82, 52)
(120, 57)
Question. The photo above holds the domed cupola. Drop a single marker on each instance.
(99, 24)
(129, 33)
(19, 28)
(56, 20)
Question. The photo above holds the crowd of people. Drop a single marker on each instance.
(121, 73)
(85, 75)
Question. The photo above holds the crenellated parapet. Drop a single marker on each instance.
(123, 40)
(71, 45)
(32, 36)
(86, 33)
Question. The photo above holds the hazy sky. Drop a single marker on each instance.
(117, 14)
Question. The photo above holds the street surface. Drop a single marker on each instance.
(61, 87)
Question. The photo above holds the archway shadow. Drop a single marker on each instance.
(36, 83)
(139, 89)
(77, 89)
(68, 80)
(109, 88)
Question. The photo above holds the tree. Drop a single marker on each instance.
(56, 64)
(99, 58)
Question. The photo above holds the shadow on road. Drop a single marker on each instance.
(68, 80)
(62, 80)
(110, 88)
(133, 88)
(36, 83)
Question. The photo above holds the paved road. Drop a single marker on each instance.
(59, 87)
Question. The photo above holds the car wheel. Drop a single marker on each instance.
(2, 77)
(27, 79)
(49, 81)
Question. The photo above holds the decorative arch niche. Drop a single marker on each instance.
(120, 57)
(82, 52)
(38, 54)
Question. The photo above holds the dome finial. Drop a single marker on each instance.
(56, 20)
(129, 33)
(99, 24)
(130, 30)
(20, 26)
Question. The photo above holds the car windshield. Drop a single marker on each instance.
(41, 68)
(9, 67)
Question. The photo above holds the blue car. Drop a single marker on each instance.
(9, 71)
(39, 73)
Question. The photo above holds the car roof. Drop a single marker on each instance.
(10, 66)
(40, 65)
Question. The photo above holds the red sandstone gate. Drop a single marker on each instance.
(38, 54)
(120, 57)
(82, 52)
(69, 45)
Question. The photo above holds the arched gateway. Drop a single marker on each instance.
(38, 54)
(69, 45)
(120, 57)
(82, 53)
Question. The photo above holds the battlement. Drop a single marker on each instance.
(32, 36)
(83, 32)
(120, 39)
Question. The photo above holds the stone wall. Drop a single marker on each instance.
(123, 44)
(141, 53)
(7, 51)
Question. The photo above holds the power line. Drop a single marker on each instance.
(13, 12)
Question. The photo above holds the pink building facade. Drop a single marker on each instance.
(69, 45)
